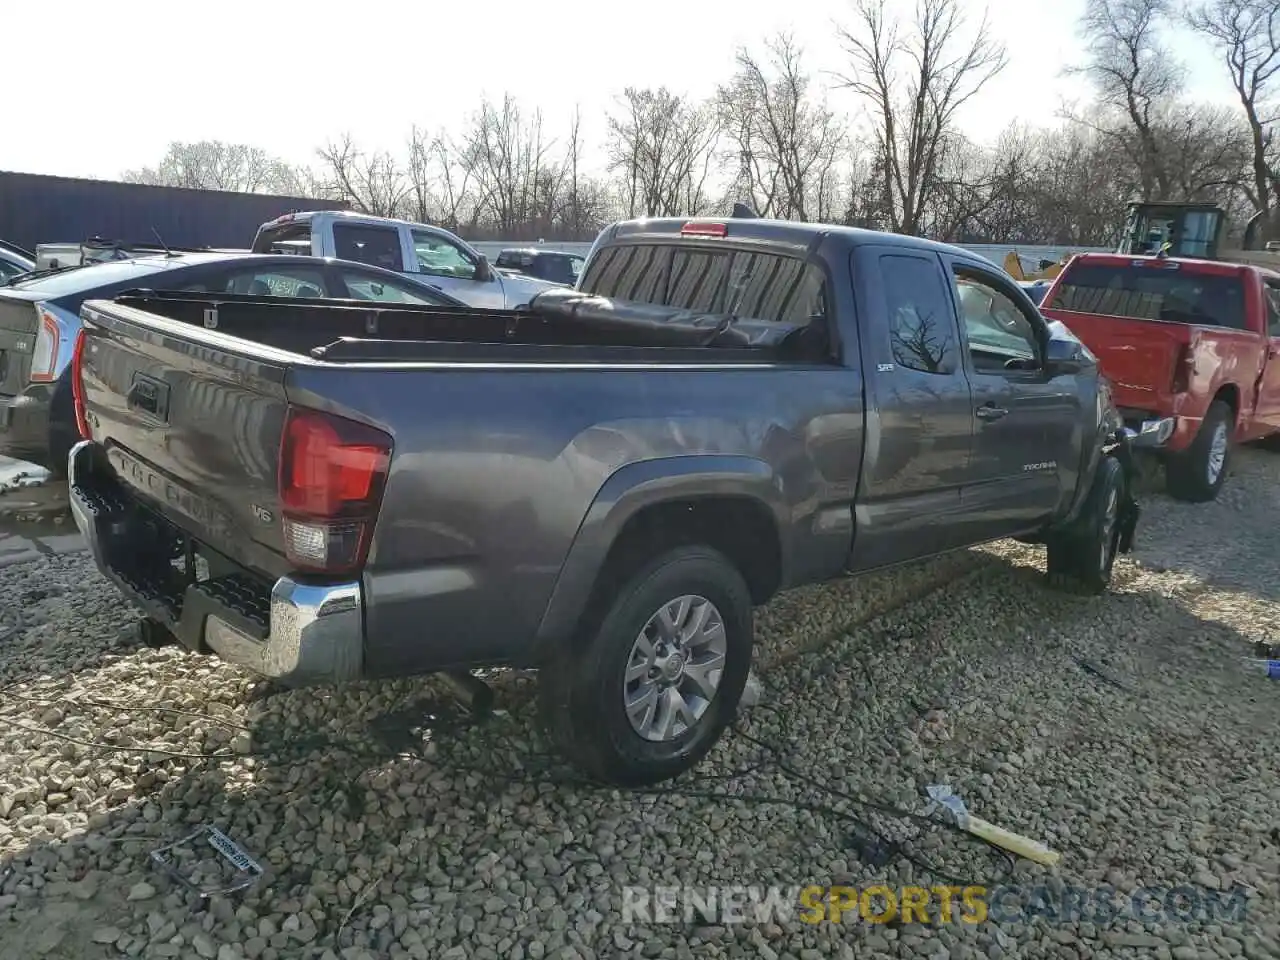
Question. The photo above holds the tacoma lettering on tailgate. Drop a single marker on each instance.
(142, 477)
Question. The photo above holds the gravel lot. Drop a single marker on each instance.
(392, 825)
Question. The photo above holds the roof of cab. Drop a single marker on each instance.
(303, 216)
(783, 232)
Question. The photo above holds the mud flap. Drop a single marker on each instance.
(1121, 449)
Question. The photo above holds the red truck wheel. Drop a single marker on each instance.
(650, 686)
(1197, 473)
(1086, 554)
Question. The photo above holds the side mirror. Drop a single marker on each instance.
(484, 270)
(1064, 357)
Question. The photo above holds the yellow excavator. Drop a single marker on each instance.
(1047, 269)
(1196, 230)
(1199, 230)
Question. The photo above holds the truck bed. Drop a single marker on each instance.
(354, 331)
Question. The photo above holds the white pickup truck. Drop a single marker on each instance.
(454, 267)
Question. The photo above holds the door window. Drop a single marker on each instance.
(269, 281)
(561, 269)
(1000, 335)
(440, 258)
(378, 246)
(920, 326)
(1273, 309)
(362, 286)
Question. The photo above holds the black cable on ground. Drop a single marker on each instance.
(873, 846)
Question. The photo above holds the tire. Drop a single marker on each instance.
(581, 690)
(1085, 555)
(1197, 473)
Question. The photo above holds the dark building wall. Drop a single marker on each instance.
(39, 209)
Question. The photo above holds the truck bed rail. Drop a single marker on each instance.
(595, 328)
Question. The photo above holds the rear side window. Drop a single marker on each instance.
(290, 238)
(271, 281)
(378, 246)
(759, 286)
(1151, 293)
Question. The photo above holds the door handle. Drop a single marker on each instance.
(990, 412)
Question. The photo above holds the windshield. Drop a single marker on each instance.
(79, 279)
(1152, 290)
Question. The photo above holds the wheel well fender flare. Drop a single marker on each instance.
(636, 487)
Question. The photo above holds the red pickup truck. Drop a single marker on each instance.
(1192, 350)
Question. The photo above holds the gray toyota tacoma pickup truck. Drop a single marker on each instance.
(602, 486)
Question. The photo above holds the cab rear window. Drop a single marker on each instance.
(758, 286)
(1150, 292)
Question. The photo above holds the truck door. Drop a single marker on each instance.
(919, 424)
(1024, 423)
(1268, 409)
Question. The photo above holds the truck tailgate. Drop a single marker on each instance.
(18, 326)
(191, 423)
(1139, 357)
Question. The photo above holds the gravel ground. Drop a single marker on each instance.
(391, 825)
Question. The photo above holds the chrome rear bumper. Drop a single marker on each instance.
(290, 630)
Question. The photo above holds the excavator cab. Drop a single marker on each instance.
(1175, 229)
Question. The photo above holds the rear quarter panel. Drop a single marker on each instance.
(497, 468)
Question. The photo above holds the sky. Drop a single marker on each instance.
(123, 79)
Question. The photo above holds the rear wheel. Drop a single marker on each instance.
(651, 685)
(1197, 473)
(1086, 554)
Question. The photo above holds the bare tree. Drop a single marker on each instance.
(913, 107)
(440, 180)
(978, 192)
(1207, 152)
(785, 142)
(215, 165)
(1247, 35)
(662, 146)
(1135, 78)
(372, 183)
(508, 157)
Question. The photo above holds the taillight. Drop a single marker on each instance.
(77, 387)
(332, 474)
(1183, 369)
(44, 358)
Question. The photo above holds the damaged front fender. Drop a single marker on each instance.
(1120, 445)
